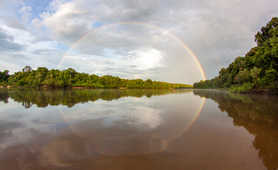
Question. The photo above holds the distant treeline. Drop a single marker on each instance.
(258, 70)
(42, 77)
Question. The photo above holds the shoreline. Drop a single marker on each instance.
(254, 91)
(85, 88)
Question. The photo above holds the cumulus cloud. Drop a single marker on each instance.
(7, 43)
(134, 38)
(20, 47)
(146, 59)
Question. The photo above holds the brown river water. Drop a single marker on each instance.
(137, 130)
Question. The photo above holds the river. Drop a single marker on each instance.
(137, 129)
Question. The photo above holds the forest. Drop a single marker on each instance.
(42, 77)
(256, 71)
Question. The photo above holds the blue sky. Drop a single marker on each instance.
(37, 6)
(99, 36)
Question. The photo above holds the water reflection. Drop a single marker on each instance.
(137, 129)
(71, 129)
(256, 113)
(44, 98)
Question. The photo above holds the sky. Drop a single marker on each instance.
(130, 38)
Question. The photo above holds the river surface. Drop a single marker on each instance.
(137, 130)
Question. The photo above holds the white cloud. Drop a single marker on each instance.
(66, 21)
(217, 31)
(20, 47)
(146, 59)
(20, 36)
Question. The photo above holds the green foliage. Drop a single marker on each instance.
(257, 70)
(4, 76)
(242, 76)
(242, 88)
(42, 77)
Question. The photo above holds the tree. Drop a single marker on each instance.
(27, 69)
(243, 76)
(70, 78)
(258, 69)
(4, 76)
(255, 74)
(267, 31)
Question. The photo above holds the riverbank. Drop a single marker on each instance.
(253, 91)
(85, 88)
(260, 91)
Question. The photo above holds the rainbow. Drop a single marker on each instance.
(181, 42)
(185, 47)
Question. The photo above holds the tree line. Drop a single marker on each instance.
(42, 77)
(258, 69)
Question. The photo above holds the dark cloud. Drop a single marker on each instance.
(7, 43)
(217, 31)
